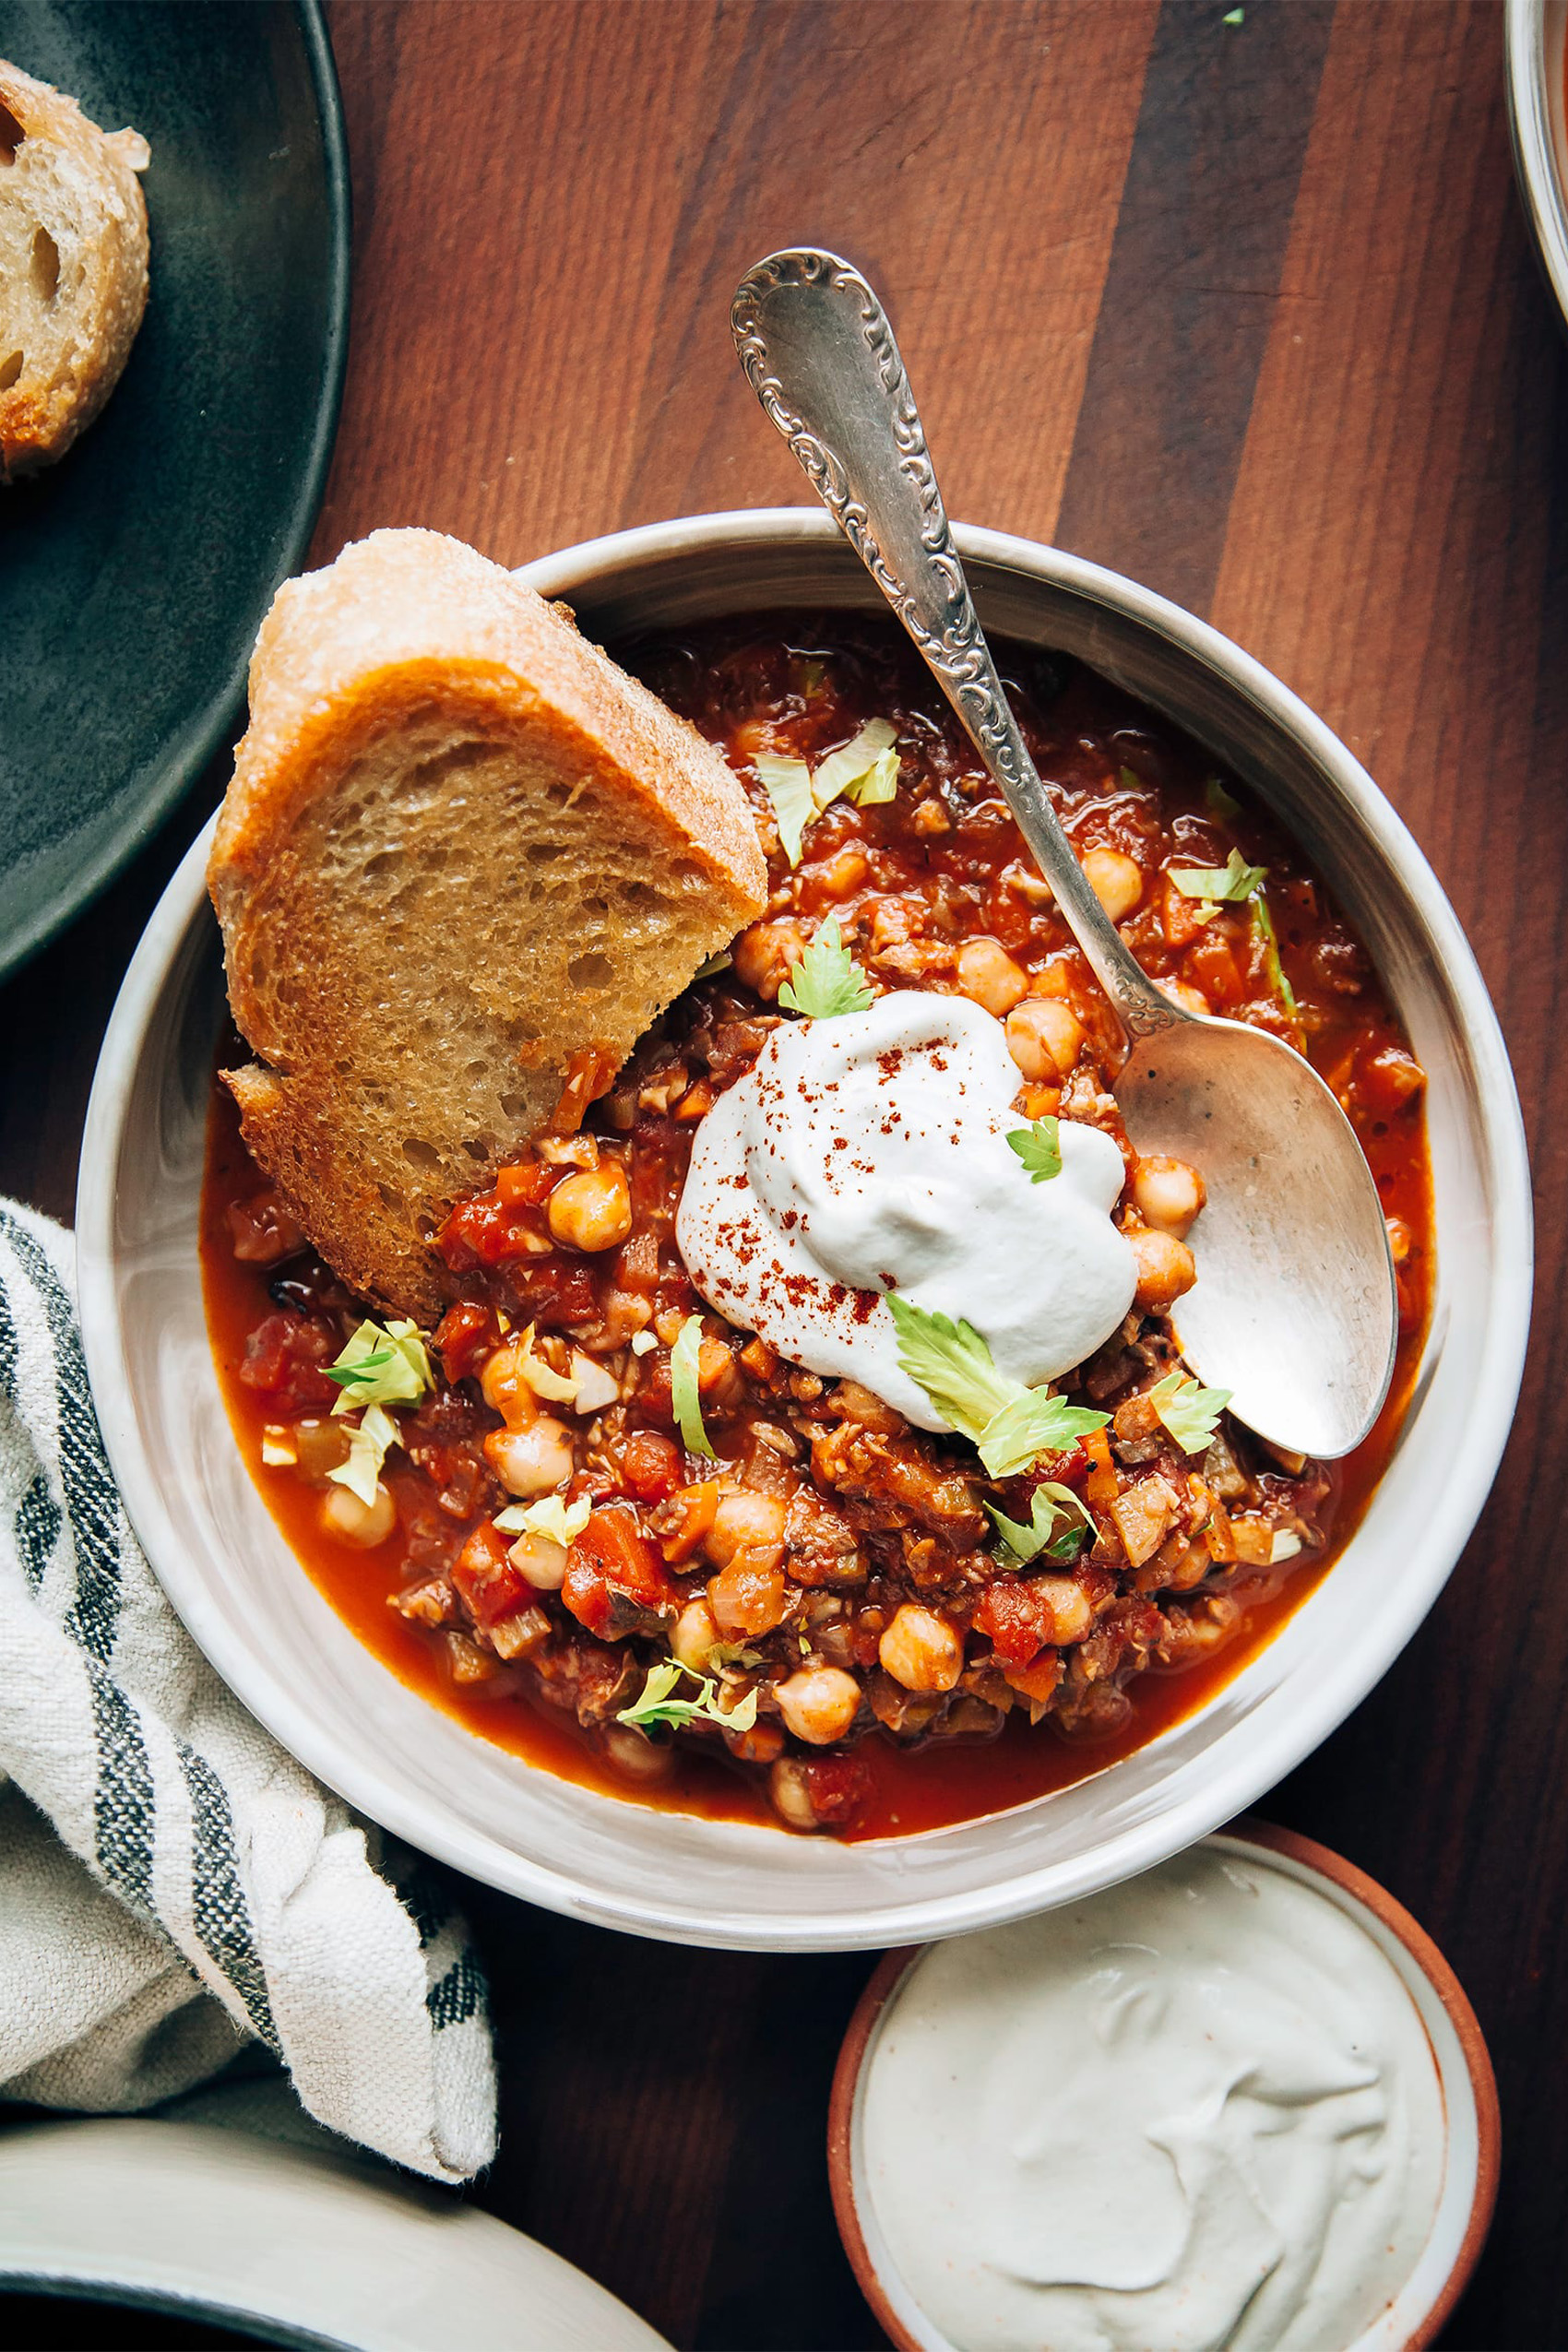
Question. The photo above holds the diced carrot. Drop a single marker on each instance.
(1101, 1486)
(1038, 1680)
(692, 1513)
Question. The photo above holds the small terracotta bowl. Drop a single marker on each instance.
(1469, 2189)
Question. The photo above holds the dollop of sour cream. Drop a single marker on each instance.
(867, 1153)
(1199, 2110)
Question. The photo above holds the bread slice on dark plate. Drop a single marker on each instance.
(73, 268)
(463, 863)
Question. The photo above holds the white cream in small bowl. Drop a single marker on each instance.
(1239, 2102)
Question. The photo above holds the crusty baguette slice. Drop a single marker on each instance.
(73, 268)
(460, 848)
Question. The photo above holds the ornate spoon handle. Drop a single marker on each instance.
(821, 359)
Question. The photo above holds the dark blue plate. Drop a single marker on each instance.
(135, 573)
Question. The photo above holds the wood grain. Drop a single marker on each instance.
(1246, 311)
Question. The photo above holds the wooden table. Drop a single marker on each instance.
(1245, 311)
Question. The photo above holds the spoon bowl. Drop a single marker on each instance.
(1290, 1309)
(1296, 1309)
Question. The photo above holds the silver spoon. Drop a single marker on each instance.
(1295, 1310)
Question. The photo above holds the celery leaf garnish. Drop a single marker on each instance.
(1232, 883)
(382, 1365)
(1188, 1411)
(1039, 1145)
(368, 1448)
(1011, 1425)
(826, 981)
(685, 1392)
(657, 1707)
(787, 783)
(1057, 1527)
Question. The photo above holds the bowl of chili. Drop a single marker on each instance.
(528, 1816)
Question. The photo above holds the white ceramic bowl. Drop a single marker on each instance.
(1537, 40)
(417, 1771)
(314, 2246)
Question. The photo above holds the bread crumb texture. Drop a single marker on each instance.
(460, 847)
(73, 268)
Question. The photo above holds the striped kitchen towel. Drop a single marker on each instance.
(172, 1882)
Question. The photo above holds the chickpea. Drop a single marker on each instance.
(747, 1598)
(532, 1460)
(363, 1525)
(1044, 1037)
(593, 1209)
(841, 876)
(921, 1650)
(819, 1704)
(542, 1562)
(1072, 1614)
(988, 975)
(1117, 880)
(1168, 1193)
(506, 1391)
(764, 1743)
(753, 1523)
(791, 1792)
(1165, 1269)
(764, 956)
(694, 1634)
(1030, 885)
(635, 1757)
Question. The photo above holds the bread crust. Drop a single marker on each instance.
(565, 852)
(73, 269)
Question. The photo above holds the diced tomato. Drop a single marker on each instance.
(557, 1291)
(625, 1557)
(655, 1400)
(283, 1355)
(1070, 1468)
(587, 1594)
(526, 1183)
(463, 1480)
(834, 1790)
(1386, 1081)
(650, 1466)
(487, 1231)
(486, 1578)
(466, 1335)
(614, 1579)
(1016, 1619)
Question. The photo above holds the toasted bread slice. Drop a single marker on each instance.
(73, 268)
(461, 852)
